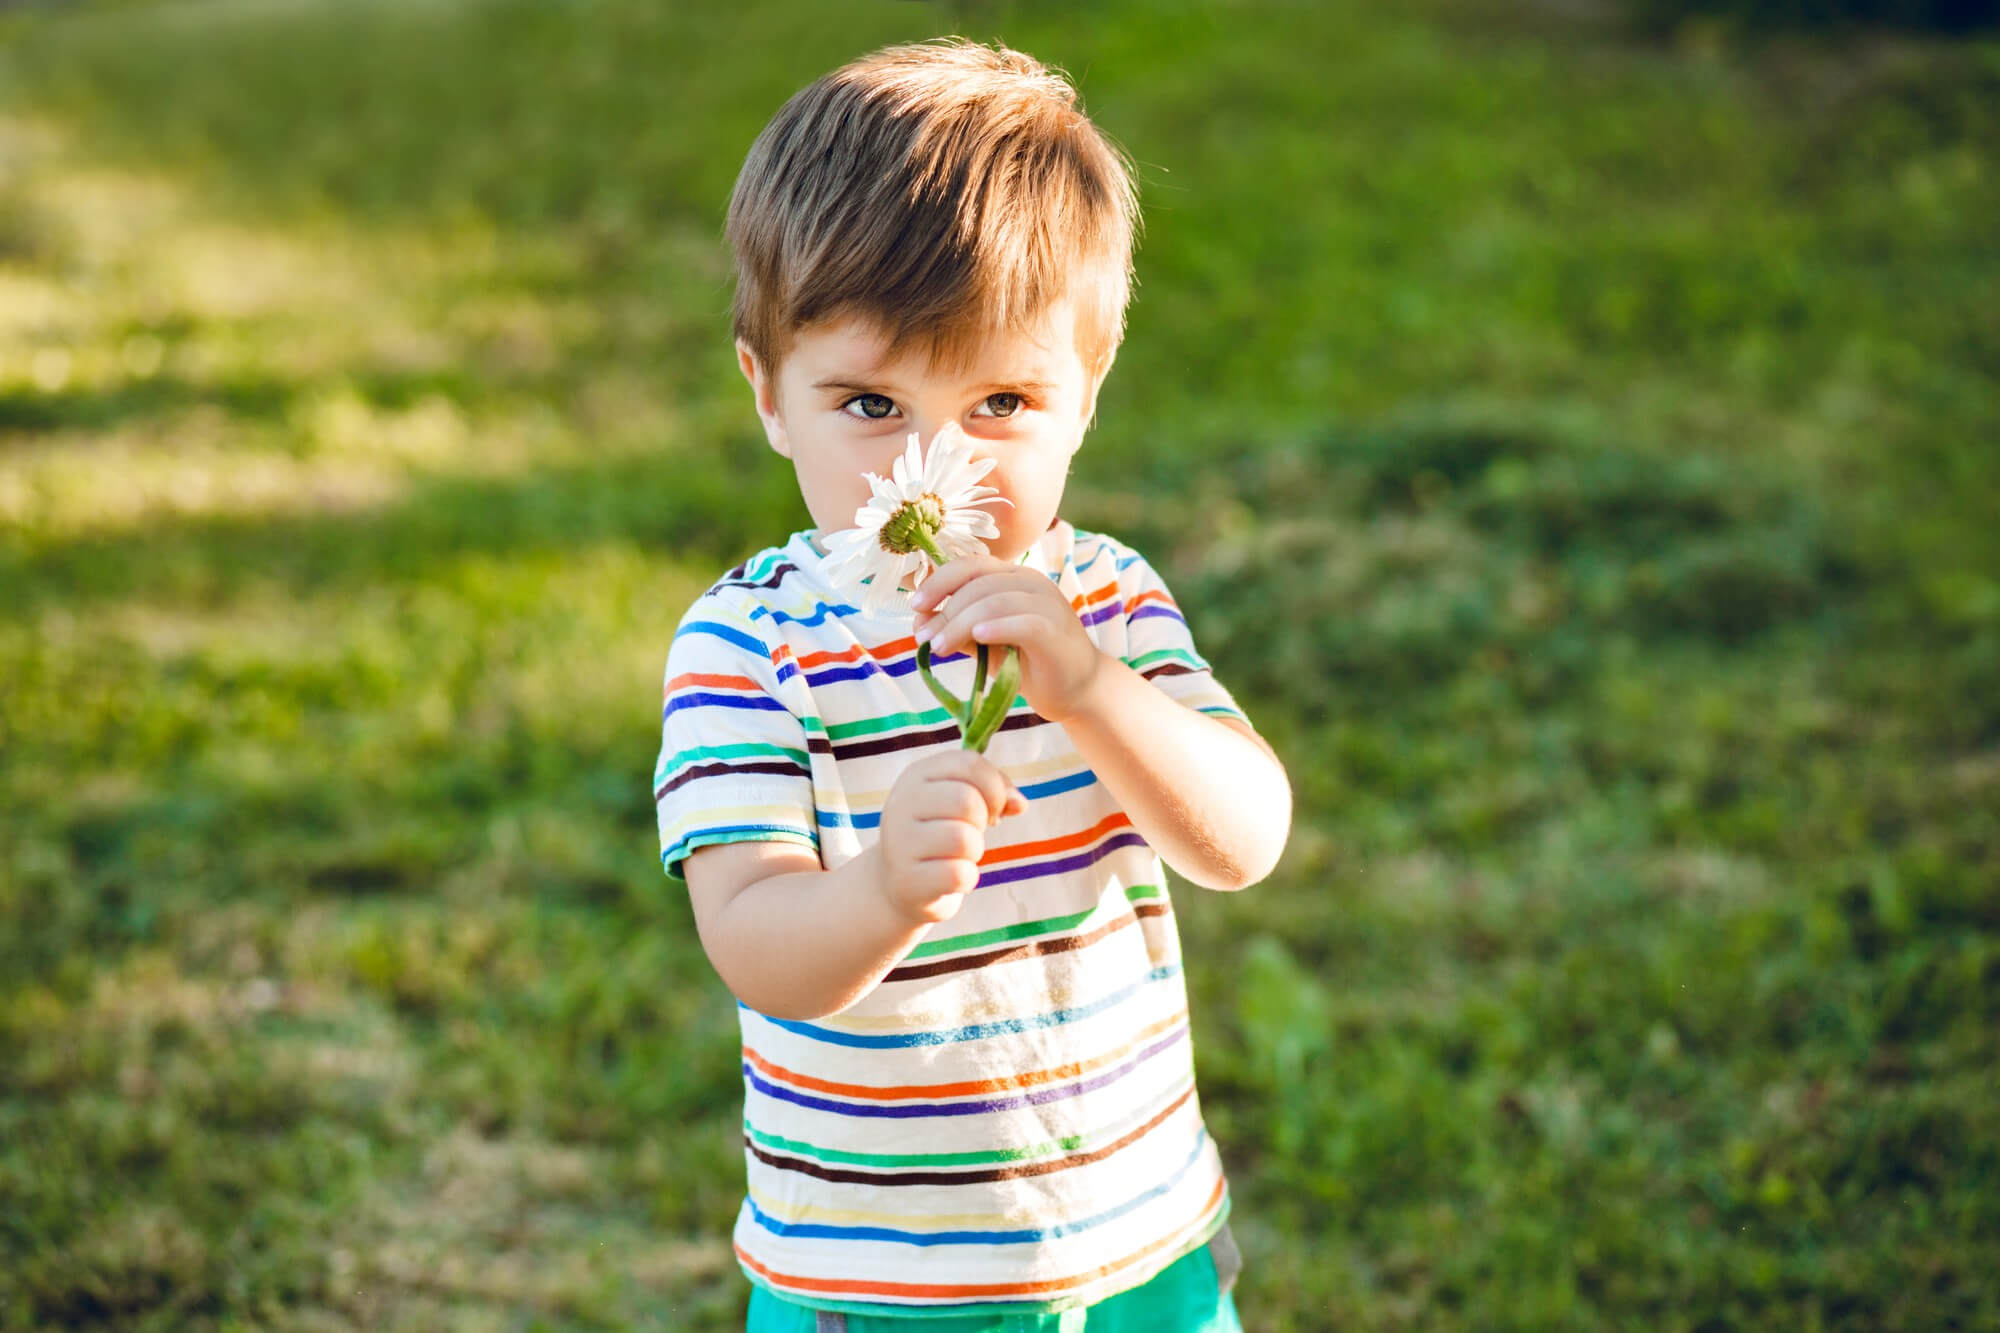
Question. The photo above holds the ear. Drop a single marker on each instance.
(765, 388)
(1090, 392)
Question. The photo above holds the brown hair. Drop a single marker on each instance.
(936, 190)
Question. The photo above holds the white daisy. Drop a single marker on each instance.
(924, 516)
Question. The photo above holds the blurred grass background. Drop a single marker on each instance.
(1573, 434)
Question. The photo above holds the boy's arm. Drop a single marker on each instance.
(1207, 793)
(796, 941)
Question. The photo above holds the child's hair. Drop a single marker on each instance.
(935, 190)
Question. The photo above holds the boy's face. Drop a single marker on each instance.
(839, 407)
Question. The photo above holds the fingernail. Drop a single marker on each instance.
(925, 633)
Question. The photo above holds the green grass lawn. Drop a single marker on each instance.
(1580, 452)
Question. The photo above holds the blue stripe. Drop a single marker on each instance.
(821, 1231)
(754, 702)
(732, 833)
(1033, 791)
(1103, 549)
(1152, 609)
(973, 1032)
(728, 634)
(820, 611)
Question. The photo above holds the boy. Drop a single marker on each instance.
(969, 1094)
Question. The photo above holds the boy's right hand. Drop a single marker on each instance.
(933, 831)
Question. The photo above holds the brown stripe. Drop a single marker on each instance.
(1169, 669)
(1015, 952)
(983, 1177)
(714, 770)
(734, 578)
(909, 740)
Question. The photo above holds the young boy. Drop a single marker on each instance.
(969, 1094)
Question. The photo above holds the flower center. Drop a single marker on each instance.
(911, 527)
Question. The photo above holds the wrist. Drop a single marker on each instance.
(1089, 696)
(897, 909)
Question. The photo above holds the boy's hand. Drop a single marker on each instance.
(995, 602)
(934, 831)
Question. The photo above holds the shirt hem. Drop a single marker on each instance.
(882, 1310)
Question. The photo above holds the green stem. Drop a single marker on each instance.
(960, 709)
(978, 686)
(994, 707)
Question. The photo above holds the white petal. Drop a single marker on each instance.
(910, 470)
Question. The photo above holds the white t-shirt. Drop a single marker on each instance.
(1009, 1119)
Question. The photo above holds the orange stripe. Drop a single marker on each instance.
(702, 678)
(942, 1291)
(1092, 598)
(966, 1089)
(995, 855)
(880, 652)
(1134, 603)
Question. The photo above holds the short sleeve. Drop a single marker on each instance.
(1158, 644)
(735, 764)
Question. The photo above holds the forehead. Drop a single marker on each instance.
(857, 347)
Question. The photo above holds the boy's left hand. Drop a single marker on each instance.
(994, 602)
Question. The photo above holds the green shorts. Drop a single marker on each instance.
(1190, 1295)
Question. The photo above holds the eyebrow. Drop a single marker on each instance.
(993, 386)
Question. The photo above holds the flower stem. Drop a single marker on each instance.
(993, 709)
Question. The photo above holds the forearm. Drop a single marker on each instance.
(808, 943)
(1211, 799)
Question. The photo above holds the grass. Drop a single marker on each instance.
(1575, 448)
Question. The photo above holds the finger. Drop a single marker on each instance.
(965, 771)
(952, 631)
(949, 578)
(1021, 631)
(950, 799)
(938, 878)
(946, 840)
(995, 788)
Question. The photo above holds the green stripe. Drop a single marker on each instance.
(761, 565)
(841, 731)
(1137, 893)
(1165, 655)
(1021, 931)
(1066, 1145)
(686, 757)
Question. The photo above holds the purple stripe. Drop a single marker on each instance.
(1103, 613)
(1040, 1097)
(1155, 609)
(869, 666)
(1037, 868)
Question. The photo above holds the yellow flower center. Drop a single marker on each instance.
(910, 529)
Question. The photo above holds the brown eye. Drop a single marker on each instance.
(874, 406)
(1004, 404)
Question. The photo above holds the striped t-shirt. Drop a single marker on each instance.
(1009, 1119)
